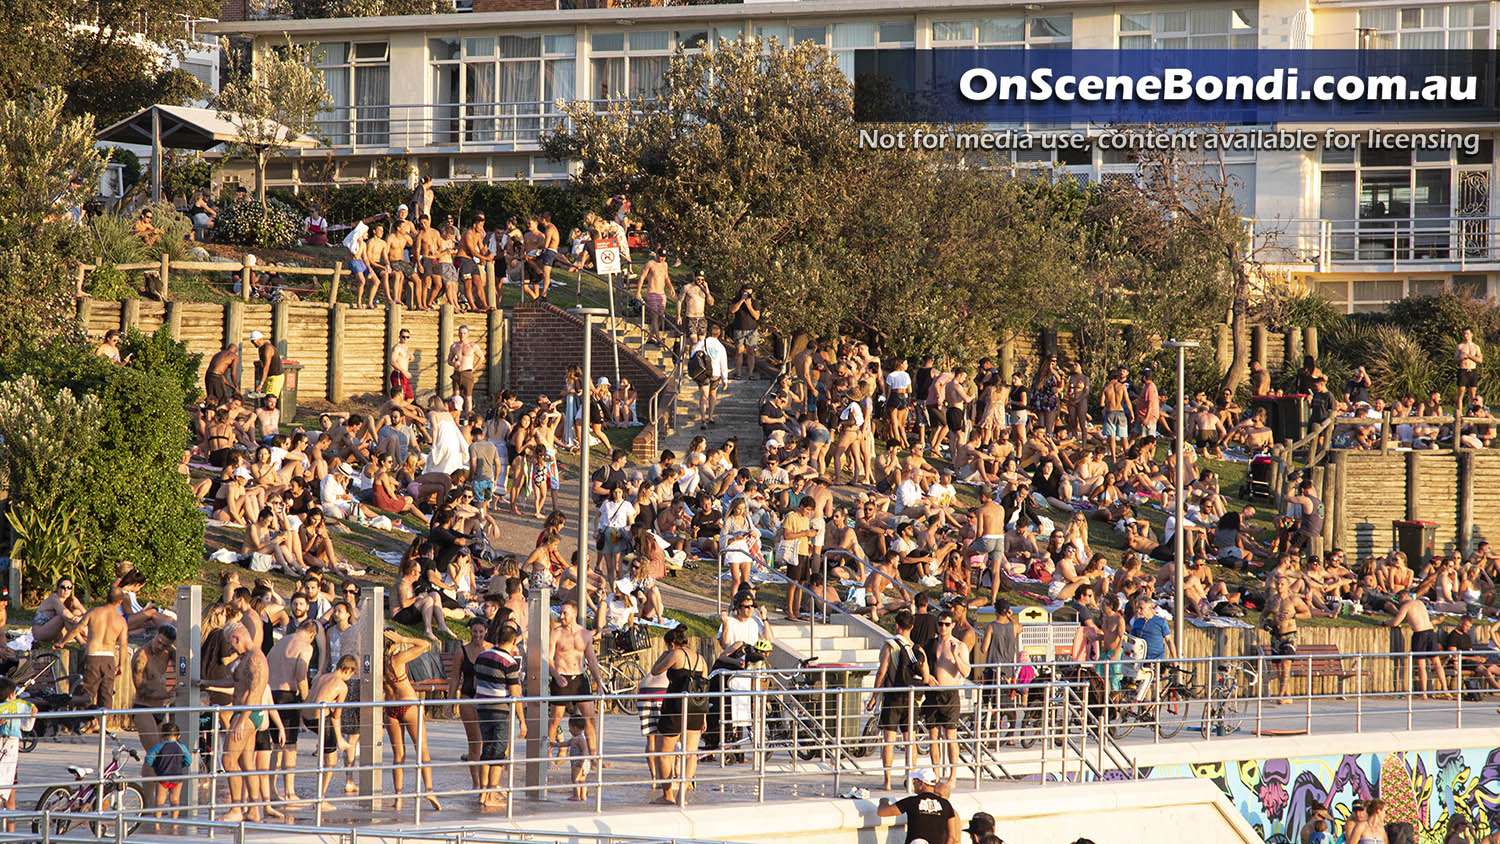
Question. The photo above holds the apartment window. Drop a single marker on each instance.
(1406, 205)
(1212, 28)
(357, 76)
(848, 37)
(1005, 31)
(1458, 26)
(489, 89)
(628, 65)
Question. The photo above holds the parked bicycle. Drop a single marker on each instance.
(1223, 711)
(1140, 702)
(107, 795)
(620, 672)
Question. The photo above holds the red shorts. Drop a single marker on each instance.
(399, 379)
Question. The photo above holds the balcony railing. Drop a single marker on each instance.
(442, 127)
(1378, 243)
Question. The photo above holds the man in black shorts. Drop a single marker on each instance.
(930, 818)
(1468, 356)
(948, 661)
(903, 667)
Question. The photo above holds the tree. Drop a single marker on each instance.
(747, 163)
(40, 152)
(111, 57)
(367, 8)
(274, 104)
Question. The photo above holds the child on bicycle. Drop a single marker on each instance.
(168, 759)
(20, 716)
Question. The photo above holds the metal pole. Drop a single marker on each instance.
(613, 334)
(1177, 504)
(156, 154)
(189, 673)
(587, 315)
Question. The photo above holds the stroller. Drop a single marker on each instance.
(38, 678)
(1258, 477)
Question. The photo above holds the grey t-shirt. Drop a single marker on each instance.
(485, 459)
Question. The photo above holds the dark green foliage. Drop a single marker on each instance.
(159, 355)
(272, 225)
(131, 501)
(132, 164)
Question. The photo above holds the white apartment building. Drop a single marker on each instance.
(467, 95)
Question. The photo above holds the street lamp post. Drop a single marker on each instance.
(587, 315)
(1179, 415)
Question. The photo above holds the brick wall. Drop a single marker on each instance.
(233, 10)
(545, 341)
(514, 5)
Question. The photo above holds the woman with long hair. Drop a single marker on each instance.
(461, 686)
(399, 652)
(739, 542)
(416, 604)
(682, 718)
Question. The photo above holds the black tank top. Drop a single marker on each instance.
(273, 366)
(465, 673)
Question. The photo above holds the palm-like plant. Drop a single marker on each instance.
(47, 545)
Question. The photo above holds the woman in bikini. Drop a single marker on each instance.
(399, 652)
(218, 440)
(58, 614)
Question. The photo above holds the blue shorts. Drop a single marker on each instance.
(494, 732)
(1117, 424)
(358, 266)
(483, 488)
(550, 257)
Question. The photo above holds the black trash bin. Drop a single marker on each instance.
(1286, 416)
(1414, 539)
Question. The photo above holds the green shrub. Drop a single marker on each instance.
(184, 173)
(248, 223)
(115, 241)
(159, 355)
(108, 281)
(1399, 366)
(46, 434)
(131, 501)
(46, 544)
(1435, 321)
(175, 230)
(130, 161)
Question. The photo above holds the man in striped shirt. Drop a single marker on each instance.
(497, 677)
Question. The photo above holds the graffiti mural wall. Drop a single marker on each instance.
(1424, 788)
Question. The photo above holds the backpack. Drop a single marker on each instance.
(904, 667)
(699, 367)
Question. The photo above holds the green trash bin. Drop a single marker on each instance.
(1415, 539)
(292, 370)
(835, 705)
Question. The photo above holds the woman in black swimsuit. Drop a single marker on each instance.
(680, 717)
(461, 686)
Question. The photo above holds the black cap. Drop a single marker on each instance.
(983, 823)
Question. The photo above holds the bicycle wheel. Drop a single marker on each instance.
(1121, 717)
(1031, 727)
(624, 678)
(28, 741)
(1172, 711)
(869, 736)
(58, 798)
(126, 799)
(1231, 716)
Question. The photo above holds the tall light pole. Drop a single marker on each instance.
(587, 315)
(1177, 509)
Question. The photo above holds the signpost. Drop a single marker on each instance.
(607, 263)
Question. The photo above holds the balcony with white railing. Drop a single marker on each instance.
(1385, 244)
(442, 128)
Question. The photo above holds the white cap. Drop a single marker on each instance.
(402, 207)
(925, 775)
(602, 382)
(256, 335)
(625, 585)
(242, 472)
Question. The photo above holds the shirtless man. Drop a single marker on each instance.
(551, 239)
(1116, 402)
(332, 687)
(473, 254)
(220, 382)
(949, 658)
(463, 355)
(395, 255)
(287, 674)
(989, 530)
(1078, 400)
(655, 288)
(1285, 610)
(695, 298)
(531, 258)
(148, 671)
(400, 359)
(1468, 356)
(1425, 647)
(379, 268)
(1260, 379)
(250, 675)
(1253, 433)
(103, 629)
(1207, 428)
(427, 283)
(572, 650)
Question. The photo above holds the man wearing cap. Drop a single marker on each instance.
(930, 818)
(269, 379)
(148, 671)
(695, 298)
(1116, 401)
(980, 825)
(654, 289)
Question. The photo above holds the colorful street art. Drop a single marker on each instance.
(1425, 788)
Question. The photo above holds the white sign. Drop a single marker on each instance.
(606, 256)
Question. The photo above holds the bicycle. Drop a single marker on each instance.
(118, 797)
(1222, 711)
(620, 676)
(1133, 706)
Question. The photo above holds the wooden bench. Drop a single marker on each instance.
(1312, 662)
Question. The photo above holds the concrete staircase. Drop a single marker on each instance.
(842, 640)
